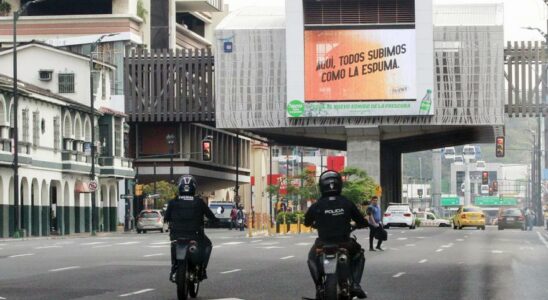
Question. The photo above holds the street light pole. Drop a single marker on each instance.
(94, 211)
(17, 218)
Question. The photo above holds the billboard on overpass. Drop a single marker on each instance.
(359, 70)
(360, 65)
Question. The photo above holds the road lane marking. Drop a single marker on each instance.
(269, 243)
(21, 255)
(160, 243)
(401, 239)
(158, 246)
(137, 292)
(232, 243)
(101, 246)
(64, 269)
(421, 237)
(287, 257)
(127, 243)
(64, 243)
(231, 271)
(256, 241)
(542, 239)
(2, 298)
(422, 261)
(459, 240)
(270, 247)
(496, 252)
(217, 246)
(47, 247)
(92, 243)
(303, 244)
(448, 245)
(396, 249)
(284, 237)
(151, 255)
(398, 274)
(402, 231)
(526, 248)
(410, 245)
(228, 299)
(439, 250)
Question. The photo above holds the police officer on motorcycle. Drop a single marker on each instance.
(185, 215)
(331, 216)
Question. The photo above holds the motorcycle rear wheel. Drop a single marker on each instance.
(182, 281)
(330, 287)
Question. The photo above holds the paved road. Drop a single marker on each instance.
(427, 263)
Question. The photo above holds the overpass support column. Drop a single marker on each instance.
(391, 168)
(365, 153)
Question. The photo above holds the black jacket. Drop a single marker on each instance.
(185, 214)
(332, 216)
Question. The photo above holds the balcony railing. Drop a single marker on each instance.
(117, 162)
(167, 86)
(187, 39)
(71, 25)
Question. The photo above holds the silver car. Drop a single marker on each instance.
(151, 219)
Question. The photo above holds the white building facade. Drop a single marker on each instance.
(54, 130)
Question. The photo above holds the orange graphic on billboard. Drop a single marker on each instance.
(360, 65)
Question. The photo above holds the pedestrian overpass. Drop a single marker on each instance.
(255, 62)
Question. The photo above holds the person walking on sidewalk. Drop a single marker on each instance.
(375, 224)
(240, 217)
(233, 215)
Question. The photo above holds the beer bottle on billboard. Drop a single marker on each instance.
(426, 103)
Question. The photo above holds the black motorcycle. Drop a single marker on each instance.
(189, 268)
(335, 271)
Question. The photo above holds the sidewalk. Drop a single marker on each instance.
(120, 231)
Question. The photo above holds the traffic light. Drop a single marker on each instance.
(485, 177)
(206, 150)
(499, 148)
(138, 190)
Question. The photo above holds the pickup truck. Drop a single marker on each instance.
(428, 219)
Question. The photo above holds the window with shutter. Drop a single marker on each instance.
(36, 128)
(66, 83)
(25, 116)
(56, 132)
(118, 139)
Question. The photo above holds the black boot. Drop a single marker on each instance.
(358, 264)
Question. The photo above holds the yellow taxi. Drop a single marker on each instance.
(469, 216)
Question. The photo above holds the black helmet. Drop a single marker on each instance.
(187, 185)
(330, 183)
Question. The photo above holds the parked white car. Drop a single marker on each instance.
(430, 220)
(399, 215)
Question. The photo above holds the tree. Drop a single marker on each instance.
(309, 189)
(166, 190)
(358, 186)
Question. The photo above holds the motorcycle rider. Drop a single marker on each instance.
(185, 215)
(331, 216)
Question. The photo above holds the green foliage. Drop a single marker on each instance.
(5, 8)
(166, 190)
(142, 12)
(417, 222)
(290, 218)
(358, 186)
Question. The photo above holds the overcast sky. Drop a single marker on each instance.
(517, 14)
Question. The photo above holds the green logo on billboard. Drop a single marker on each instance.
(295, 108)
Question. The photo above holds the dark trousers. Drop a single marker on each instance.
(203, 242)
(372, 231)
